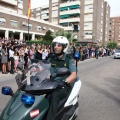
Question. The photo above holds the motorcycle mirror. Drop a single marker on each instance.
(20, 66)
(77, 55)
(62, 71)
(7, 91)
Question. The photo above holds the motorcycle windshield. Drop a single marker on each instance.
(36, 74)
(39, 69)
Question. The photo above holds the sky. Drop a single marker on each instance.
(114, 4)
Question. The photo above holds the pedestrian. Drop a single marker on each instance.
(4, 59)
(16, 59)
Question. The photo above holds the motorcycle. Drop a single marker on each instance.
(30, 101)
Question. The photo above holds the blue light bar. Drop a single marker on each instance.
(77, 55)
(6, 91)
(27, 99)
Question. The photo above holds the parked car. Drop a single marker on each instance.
(117, 54)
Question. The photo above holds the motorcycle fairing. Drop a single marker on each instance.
(16, 110)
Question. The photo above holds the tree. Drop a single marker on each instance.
(112, 45)
(66, 34)
(48, 36)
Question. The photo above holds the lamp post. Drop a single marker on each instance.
(72, 34)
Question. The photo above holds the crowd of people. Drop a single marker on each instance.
(14, 51)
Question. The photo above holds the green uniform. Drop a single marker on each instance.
(67, 62)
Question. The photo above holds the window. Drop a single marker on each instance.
(24, 23)
(38, 28)
(88, 7)
(2, 21)
(44, 28)
(14, 23)
(55, 12)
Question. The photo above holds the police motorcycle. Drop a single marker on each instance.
(30, 101)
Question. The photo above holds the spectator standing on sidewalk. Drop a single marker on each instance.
(4, 59)
(96, 52)
(11, 56)
(16, 59)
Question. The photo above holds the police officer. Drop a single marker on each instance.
(59, 60)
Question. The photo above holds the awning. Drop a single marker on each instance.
(64, 8)
(74, 14)
(64, 16)
(74, 6)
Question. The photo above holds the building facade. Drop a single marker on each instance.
(14, 21)
(114, 33)
(88, 20)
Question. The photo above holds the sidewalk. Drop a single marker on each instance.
(5, 77)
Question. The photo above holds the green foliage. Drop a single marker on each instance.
(66, 34)
(48, 36)
(112, 45)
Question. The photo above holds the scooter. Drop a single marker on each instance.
(30, 101)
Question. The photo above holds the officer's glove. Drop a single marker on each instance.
(62, 84)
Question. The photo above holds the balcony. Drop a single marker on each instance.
(69, 28)
(45, 11)
(70, 12)
(54, 8)
(54, 1)
(77, 19)
(11, 2)
(55, 22)
(69, 3)
(45, 17)
(88, 11)
(89, 2)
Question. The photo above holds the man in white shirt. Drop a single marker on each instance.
(11, 56)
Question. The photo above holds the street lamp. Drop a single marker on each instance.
(72, 34)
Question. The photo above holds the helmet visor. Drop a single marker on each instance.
(57, 44)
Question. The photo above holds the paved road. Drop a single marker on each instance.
(100, 92)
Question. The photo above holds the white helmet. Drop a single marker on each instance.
(61, 40)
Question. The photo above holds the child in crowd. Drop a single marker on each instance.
(16, 59)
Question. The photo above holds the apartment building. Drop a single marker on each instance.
(88, 20)
(114, 33)
(14, 21)
(106, 23)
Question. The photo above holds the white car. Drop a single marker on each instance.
(117, 54)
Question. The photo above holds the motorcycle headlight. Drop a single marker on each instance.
(27, 99)
(6, 91)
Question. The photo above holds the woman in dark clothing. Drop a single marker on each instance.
(4, 59)
(39, 54)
